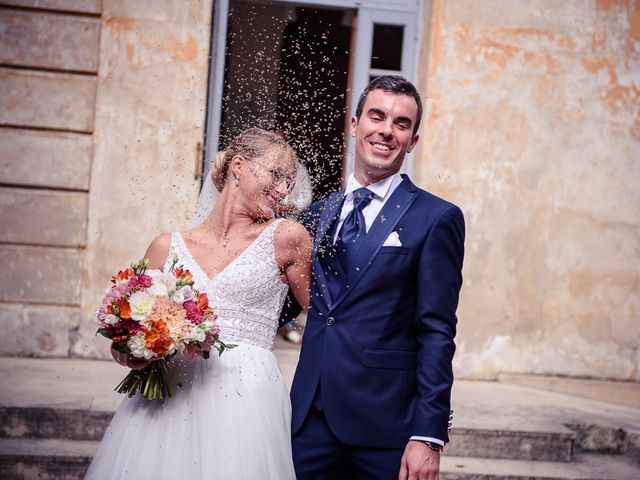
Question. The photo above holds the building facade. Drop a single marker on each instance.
(531, 125)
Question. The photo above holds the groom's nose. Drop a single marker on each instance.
(384, 128)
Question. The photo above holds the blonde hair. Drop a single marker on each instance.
(251, 143)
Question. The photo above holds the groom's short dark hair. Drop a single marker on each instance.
(394, 84)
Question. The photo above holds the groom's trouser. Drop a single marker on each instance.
(319, 455)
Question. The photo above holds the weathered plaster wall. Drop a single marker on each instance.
(150, 113)
(532, 125)
(49, 58)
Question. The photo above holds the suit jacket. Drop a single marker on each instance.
(381, 351)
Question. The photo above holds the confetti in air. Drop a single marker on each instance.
(286, 69)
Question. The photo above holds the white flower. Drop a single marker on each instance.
(111, 319)
(141, 305)
(206, 326)
(160, 283)
(197, 334)
(182, 295)
(137, 345)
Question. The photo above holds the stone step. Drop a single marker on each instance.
(44, 422)
(45, 459)
(79, 424)
(584, 467)
(555, 446)
(48, 459)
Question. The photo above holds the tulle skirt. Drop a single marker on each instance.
(230, 420)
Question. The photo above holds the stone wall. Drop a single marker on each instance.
(101, 112)
(49, 58)
(533, 127)
(150, 116)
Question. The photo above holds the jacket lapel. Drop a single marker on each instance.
(383, 225)
(332, 206)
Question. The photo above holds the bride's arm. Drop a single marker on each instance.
(293, 254)
(156, 254)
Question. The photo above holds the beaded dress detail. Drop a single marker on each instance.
(231, 419)
(247, 295)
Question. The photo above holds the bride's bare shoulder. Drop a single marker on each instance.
(292, 240)
(158, 250)
(290, 231)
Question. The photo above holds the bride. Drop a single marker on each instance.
(231, 419)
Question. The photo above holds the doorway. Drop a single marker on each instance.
(291, 65)
(287, 70)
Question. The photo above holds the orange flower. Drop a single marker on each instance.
(184, 275)
(124, 309)
(123, 275)
(157, 337)
(203, 303)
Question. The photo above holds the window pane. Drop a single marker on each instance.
(387, 47)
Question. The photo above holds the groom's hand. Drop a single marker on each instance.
(419, 462)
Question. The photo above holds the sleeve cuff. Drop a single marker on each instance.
(428, 439)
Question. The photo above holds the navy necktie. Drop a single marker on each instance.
(353, 228)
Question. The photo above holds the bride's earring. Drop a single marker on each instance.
(237, 180)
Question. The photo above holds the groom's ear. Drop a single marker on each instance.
(354, 125)
(414, 140)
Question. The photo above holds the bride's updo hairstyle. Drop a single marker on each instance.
(251, 143)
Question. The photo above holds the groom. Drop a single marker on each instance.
(371, 393)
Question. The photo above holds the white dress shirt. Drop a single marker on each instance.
(382, 190)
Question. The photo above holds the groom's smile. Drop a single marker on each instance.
(381, 146)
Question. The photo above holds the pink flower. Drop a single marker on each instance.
(138, 282)
(114, 294)
(194, 314)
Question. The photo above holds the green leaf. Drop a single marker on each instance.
(104, 333)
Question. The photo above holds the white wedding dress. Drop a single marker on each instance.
(231, 419)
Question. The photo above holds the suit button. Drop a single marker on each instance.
(331, 321)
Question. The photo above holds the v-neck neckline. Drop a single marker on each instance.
(235, 259)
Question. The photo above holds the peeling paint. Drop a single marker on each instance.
(611, 5)
(534, 131)
(181, 51)
(436, 38)
(149, 117)
(118, 25)
(130, 52)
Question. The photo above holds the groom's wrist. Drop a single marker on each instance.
(432, 443)
(433, 446)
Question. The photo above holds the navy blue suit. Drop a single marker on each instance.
(379, 354)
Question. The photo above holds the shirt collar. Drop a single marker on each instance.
(380, 188)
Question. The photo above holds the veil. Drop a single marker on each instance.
(297, 200)
(206, 200)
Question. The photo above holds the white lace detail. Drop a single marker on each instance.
(247, 296)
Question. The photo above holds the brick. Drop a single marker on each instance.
(40, 275)
(43, 217)
(63, 42)
(45, 159)
(82, 6)
(36, 330)
(47, 100)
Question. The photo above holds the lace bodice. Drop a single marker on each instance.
(247, 295)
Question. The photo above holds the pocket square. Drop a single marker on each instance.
(393, 240)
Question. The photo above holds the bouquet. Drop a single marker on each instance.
(153, 315)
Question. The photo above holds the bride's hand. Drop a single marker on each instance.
(128, 360)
